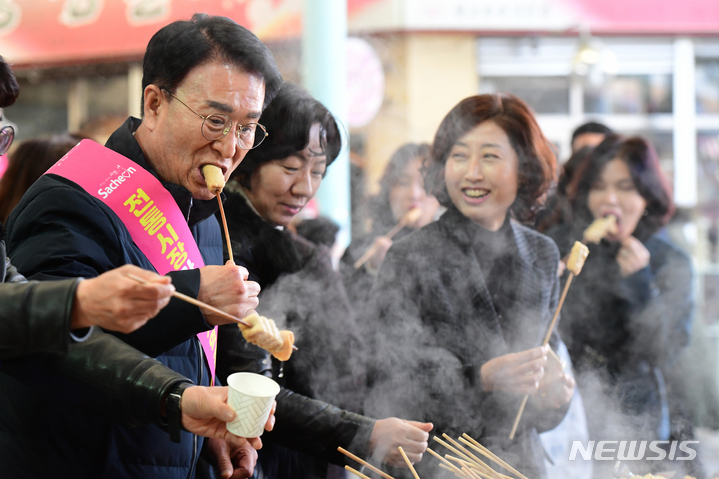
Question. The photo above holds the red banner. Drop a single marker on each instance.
(71, 31)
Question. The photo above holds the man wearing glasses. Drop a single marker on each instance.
(206, 82)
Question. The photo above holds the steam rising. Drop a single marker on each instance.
(417, 373)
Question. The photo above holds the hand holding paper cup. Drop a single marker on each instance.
(251, 396)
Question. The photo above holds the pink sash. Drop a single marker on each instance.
(144, 206)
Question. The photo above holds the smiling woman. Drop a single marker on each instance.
(475, 292)
(490, 127)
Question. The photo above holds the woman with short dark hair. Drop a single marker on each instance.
(302, 292)
(628, 315)
(462, 305)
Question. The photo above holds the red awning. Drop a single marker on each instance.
(72, 31)
(650, 16)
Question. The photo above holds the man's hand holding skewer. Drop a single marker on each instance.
(226, 288)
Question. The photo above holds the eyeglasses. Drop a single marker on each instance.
(7, 133)
(217, 126)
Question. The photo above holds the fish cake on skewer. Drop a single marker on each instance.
(214, 178)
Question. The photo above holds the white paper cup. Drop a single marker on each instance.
(251, 397)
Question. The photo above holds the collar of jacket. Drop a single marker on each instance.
(123, 141)
(463, 230)
(263, 249)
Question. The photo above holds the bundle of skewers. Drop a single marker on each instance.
(463, 462)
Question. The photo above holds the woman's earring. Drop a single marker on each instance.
(646, 213)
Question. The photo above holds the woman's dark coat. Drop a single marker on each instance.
(435, 325)
(623, 332)
(301, 292)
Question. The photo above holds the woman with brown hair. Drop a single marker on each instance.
(463, 304)
(628, 316)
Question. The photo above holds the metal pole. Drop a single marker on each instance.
(324, 74)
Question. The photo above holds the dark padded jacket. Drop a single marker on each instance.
(57, 231)
(434, 323)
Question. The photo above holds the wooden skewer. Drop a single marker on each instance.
(559, 308)
(481, 465)
(457, 472)
(555, 355)
(442, 460)
(544, 343)
(197, 303)
(409, 464)
(515, 425)
(474, 459)
(475, 468)
(364, 463)
(445, 464)
(482, 475)
(493, 456)
(409, 217)
(224, 223)
(200, 304)
(357, 473)
(471, 473)
(486, 472)
(488, 456)
(454, 450)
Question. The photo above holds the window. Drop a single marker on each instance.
(41, 109)
(708, 169)
(545, 94)
(707, 84)
(637, 94)
(107, 96)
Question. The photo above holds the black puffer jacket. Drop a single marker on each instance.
(60, 231)
(302, 293)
